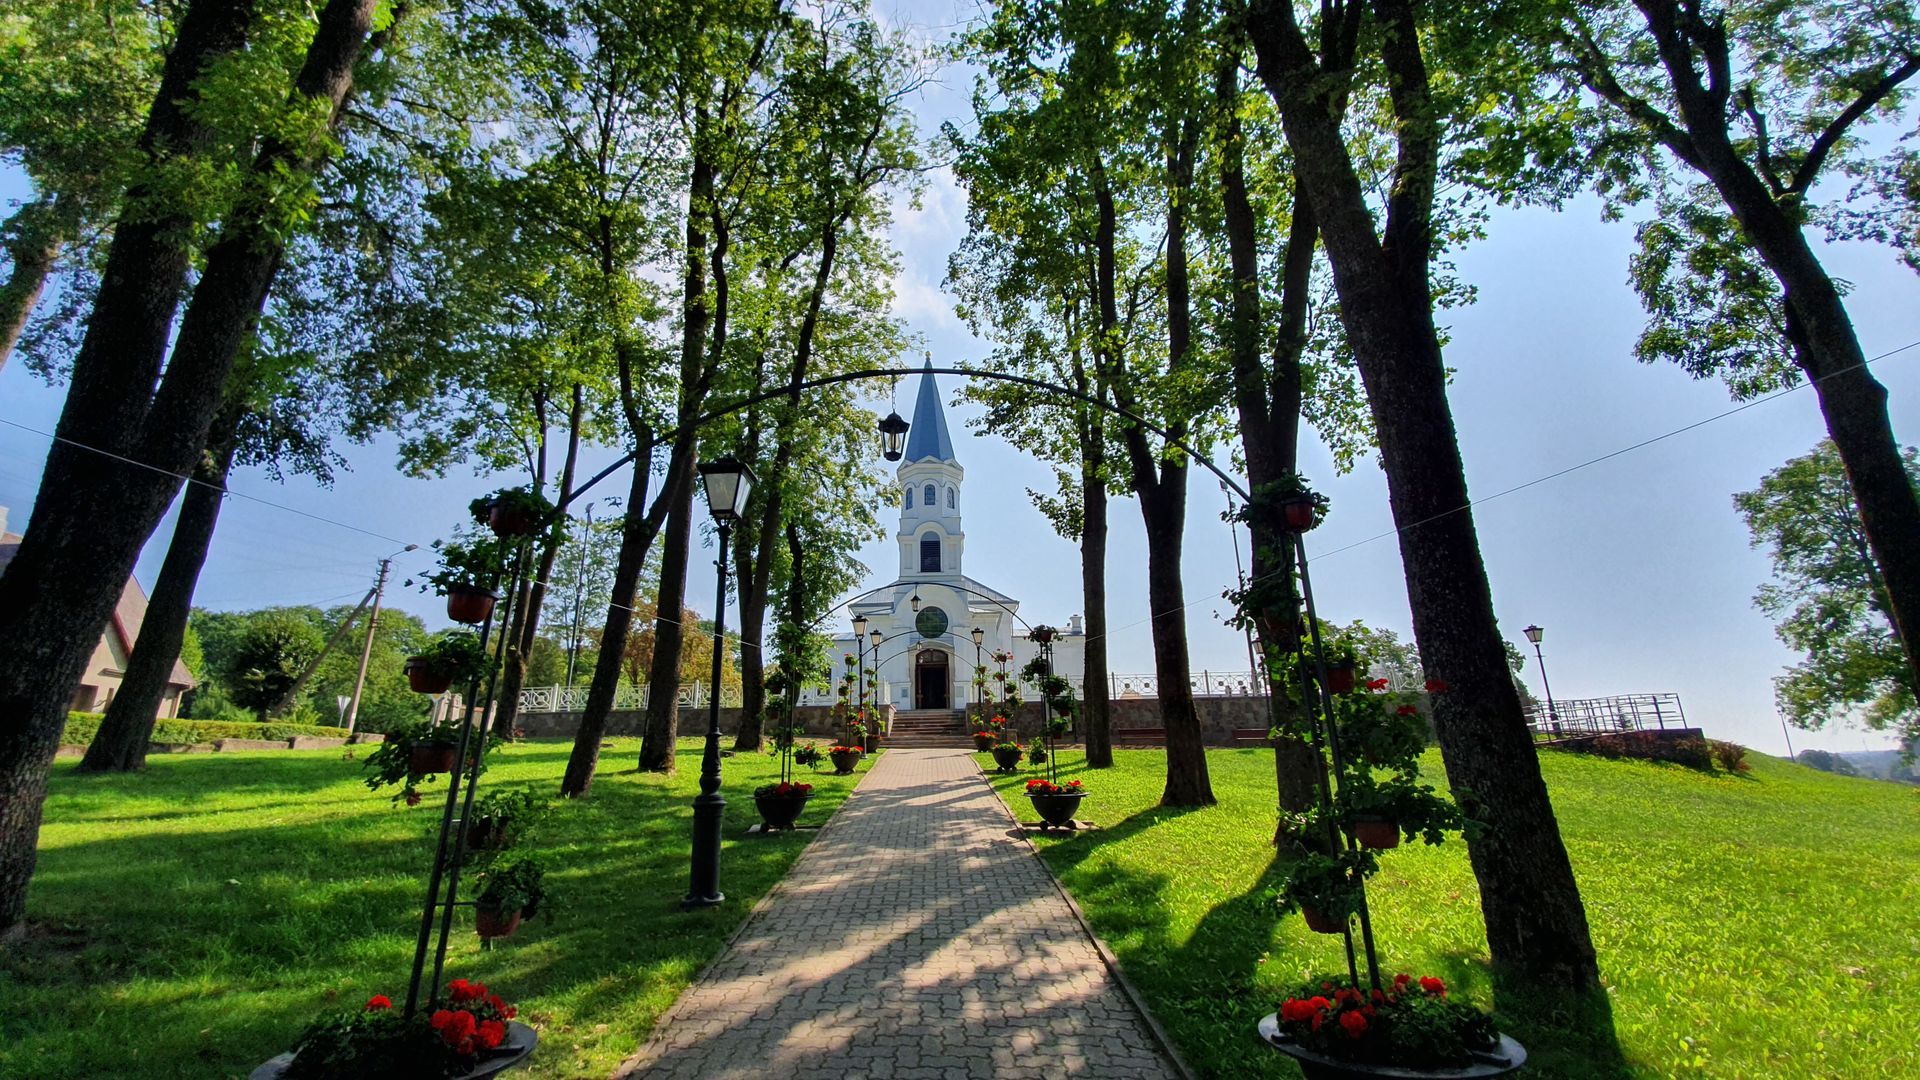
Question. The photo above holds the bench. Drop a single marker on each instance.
(1140, 736)
(1250, 736)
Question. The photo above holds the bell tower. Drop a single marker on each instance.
(931, 540)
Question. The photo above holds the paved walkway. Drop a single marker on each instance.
(914, 938)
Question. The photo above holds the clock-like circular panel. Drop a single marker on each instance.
(931, 622)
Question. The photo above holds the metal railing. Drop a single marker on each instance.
(549, 699)
(1605, 715)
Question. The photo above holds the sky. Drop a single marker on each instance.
(1637, 566)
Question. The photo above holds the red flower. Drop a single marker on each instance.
(458, 1028)
(491, 1033)
(1320, 1003)
(1376, 684)
(1432, 985)
(1402, 979)
(1317, 1019)
(1379, 998)
(1354, 1024)
(1406, 710)
(378, 1002)
(1296, 1011)
(1435, 686)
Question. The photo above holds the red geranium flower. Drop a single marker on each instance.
(459, 1027)
(1432, 985)
(378, 1002)
(1295, 1011)
(491, 1033)
(1402, 979)
(1407, 710)
(1376, 684)
(1354, 1024)
(1435, 686)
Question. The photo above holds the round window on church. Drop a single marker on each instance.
(932, 622)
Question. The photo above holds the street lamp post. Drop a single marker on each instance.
(875, 637)
(860, 671)
(1534, 634)
(728, 482)
(979, 703)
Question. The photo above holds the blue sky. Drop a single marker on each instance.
(1638, 566)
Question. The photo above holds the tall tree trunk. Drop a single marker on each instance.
(127, 728)
(669, 633)
(1093, 586)
(94, 513)
(1536, 925)
(32, 237)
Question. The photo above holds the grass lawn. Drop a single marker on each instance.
(1747, 926)
(194, 917)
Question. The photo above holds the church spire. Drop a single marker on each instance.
(929, 438)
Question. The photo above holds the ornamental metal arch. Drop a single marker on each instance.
(794, 389)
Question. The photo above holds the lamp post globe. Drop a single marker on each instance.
(728, 483)
(1534, 634)
(914, 600)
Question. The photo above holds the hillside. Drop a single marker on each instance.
(1747, 925)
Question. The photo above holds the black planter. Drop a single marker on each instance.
(1504, 1058)
(1008, 757)
(426, 758)
(516, 1048)
(843, 762)
(1057, 809)
(781, 811)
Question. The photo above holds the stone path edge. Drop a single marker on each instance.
(633, 1061)
(1100, 946)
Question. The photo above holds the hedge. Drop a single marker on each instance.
(82, 727)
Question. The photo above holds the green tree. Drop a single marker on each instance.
(1769, 107)
(1829, 600)
(268, 654)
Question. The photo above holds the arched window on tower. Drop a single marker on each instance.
(951, 497)
(909, 496)
(930, 554)
(932, 499)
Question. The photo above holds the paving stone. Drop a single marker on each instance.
(911, 939)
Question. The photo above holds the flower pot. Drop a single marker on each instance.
(1297, 513)
(493, 922)
(1320, 922)
(844, 761)
(469, 604)
(424, 678)
(1057, 808)
(1008, 757)
(514, 1049)
(1502, 1058)
(779, 811)
(1377, 833)
(1340, 678)
(873, 742)
(983, 743)
(430, 757)
(507, 520)
(484, 835)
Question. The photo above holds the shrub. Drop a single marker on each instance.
(1730, 756)
(1690, 751)
(82, 727)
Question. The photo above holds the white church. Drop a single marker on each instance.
(927, 615)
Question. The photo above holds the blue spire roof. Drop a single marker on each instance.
(928, 437)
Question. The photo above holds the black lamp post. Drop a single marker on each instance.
(874, 637)
(860, 670)
(728, 482)
(1534, 634)
(978, 636)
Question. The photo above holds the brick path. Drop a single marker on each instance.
(914, 938)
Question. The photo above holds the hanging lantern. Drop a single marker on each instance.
(893, 437)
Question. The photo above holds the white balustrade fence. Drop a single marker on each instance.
(549, 699)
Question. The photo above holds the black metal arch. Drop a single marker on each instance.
(882, 373)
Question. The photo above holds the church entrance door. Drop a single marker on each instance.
(932, 686)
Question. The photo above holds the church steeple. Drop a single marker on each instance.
(928, 438)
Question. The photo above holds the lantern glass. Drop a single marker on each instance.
(859, 626)
(876, 637)
(728, 482)
(1535, 633)
(979, 635)
(915, 601)
(893, 436)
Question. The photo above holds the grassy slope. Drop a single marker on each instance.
(1747, 926)
(202, 912)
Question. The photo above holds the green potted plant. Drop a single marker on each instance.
(468, 566)
(1007, 756)
(510, 892)
(418, 751)
(1405, 1029)
(474, 1036)
(1055, 803)
(1324, 889)
(845, 758)
(808, 754)
(1376, 813)
(449, 658)
(501, 817)
(782, 802)
(514, 511)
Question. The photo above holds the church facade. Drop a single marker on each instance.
(927, 614)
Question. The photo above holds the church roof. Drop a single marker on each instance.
(928, 438)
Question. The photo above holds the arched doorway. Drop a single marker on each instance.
(932, 680)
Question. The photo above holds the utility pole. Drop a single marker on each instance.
(366, 649)
(579, 586)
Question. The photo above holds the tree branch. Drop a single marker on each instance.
(1816, 158)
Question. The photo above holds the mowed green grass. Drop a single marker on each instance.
(193, 918)
(1752, 926)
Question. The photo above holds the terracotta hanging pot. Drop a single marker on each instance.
(508, 520)
(1378, 834)
(424, 678)
(469, 604)
(1320, 922)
